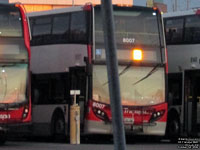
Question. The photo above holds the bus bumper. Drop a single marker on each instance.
(16, 129)
(158, 129)
(95, 127)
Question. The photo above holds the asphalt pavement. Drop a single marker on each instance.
(62, 146)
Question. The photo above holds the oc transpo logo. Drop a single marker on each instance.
(4, 116)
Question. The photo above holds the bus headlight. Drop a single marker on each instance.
(25, 112)
(101, 114)
(157, 115)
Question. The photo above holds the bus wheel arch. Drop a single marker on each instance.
(173, 125)
(58, 125)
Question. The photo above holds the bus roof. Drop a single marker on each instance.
(78, 8)
(182, 13)
(55, 11)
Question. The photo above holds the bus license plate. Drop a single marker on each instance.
(128, 121)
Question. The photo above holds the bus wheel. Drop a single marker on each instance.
(2, 139)
(173, 130)
(58, 125)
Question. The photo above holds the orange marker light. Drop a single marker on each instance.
(17, 5)
(137, 54)
(155, 8)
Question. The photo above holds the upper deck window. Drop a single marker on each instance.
(134, 28)
(140, 25)
(60, 28)
(10, 22)
(174, 30)
(183, 29)
(192, 29)
(42, 26)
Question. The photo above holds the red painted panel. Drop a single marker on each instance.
(26, 29)
(27, 44)
(132, 114)
(11, 116)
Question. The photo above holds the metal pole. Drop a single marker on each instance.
(187, 4)
(113, 78)
(176, 5)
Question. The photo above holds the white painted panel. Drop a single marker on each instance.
(180, 57)
(57, 58)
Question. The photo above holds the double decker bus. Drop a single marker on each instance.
(15, 100)
(183, 44)
(68, 53)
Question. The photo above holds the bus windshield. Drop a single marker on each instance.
(134, 28)
(135, 89)
(13, 49)
(10, 22)
(13, 78)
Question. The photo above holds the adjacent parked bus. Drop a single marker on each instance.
(183, 45)
(15, 100)
(68, 53)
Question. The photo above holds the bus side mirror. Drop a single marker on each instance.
(86, 60)
(88, 66)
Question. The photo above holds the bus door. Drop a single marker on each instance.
(192, 102)
(78, 82)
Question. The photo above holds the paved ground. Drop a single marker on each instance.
(63, 146)
(101, 143)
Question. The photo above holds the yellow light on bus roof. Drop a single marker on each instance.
(137, 54)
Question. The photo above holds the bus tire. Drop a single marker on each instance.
(2, 139)
(173, 128)
(58, 127)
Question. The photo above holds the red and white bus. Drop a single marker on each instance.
(183, 44)
(15, 100)
(68, 53)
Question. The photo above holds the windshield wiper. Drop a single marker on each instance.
(122, 72)
(13, 61)
(125, 69)
(148, 74)
(7, 65)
